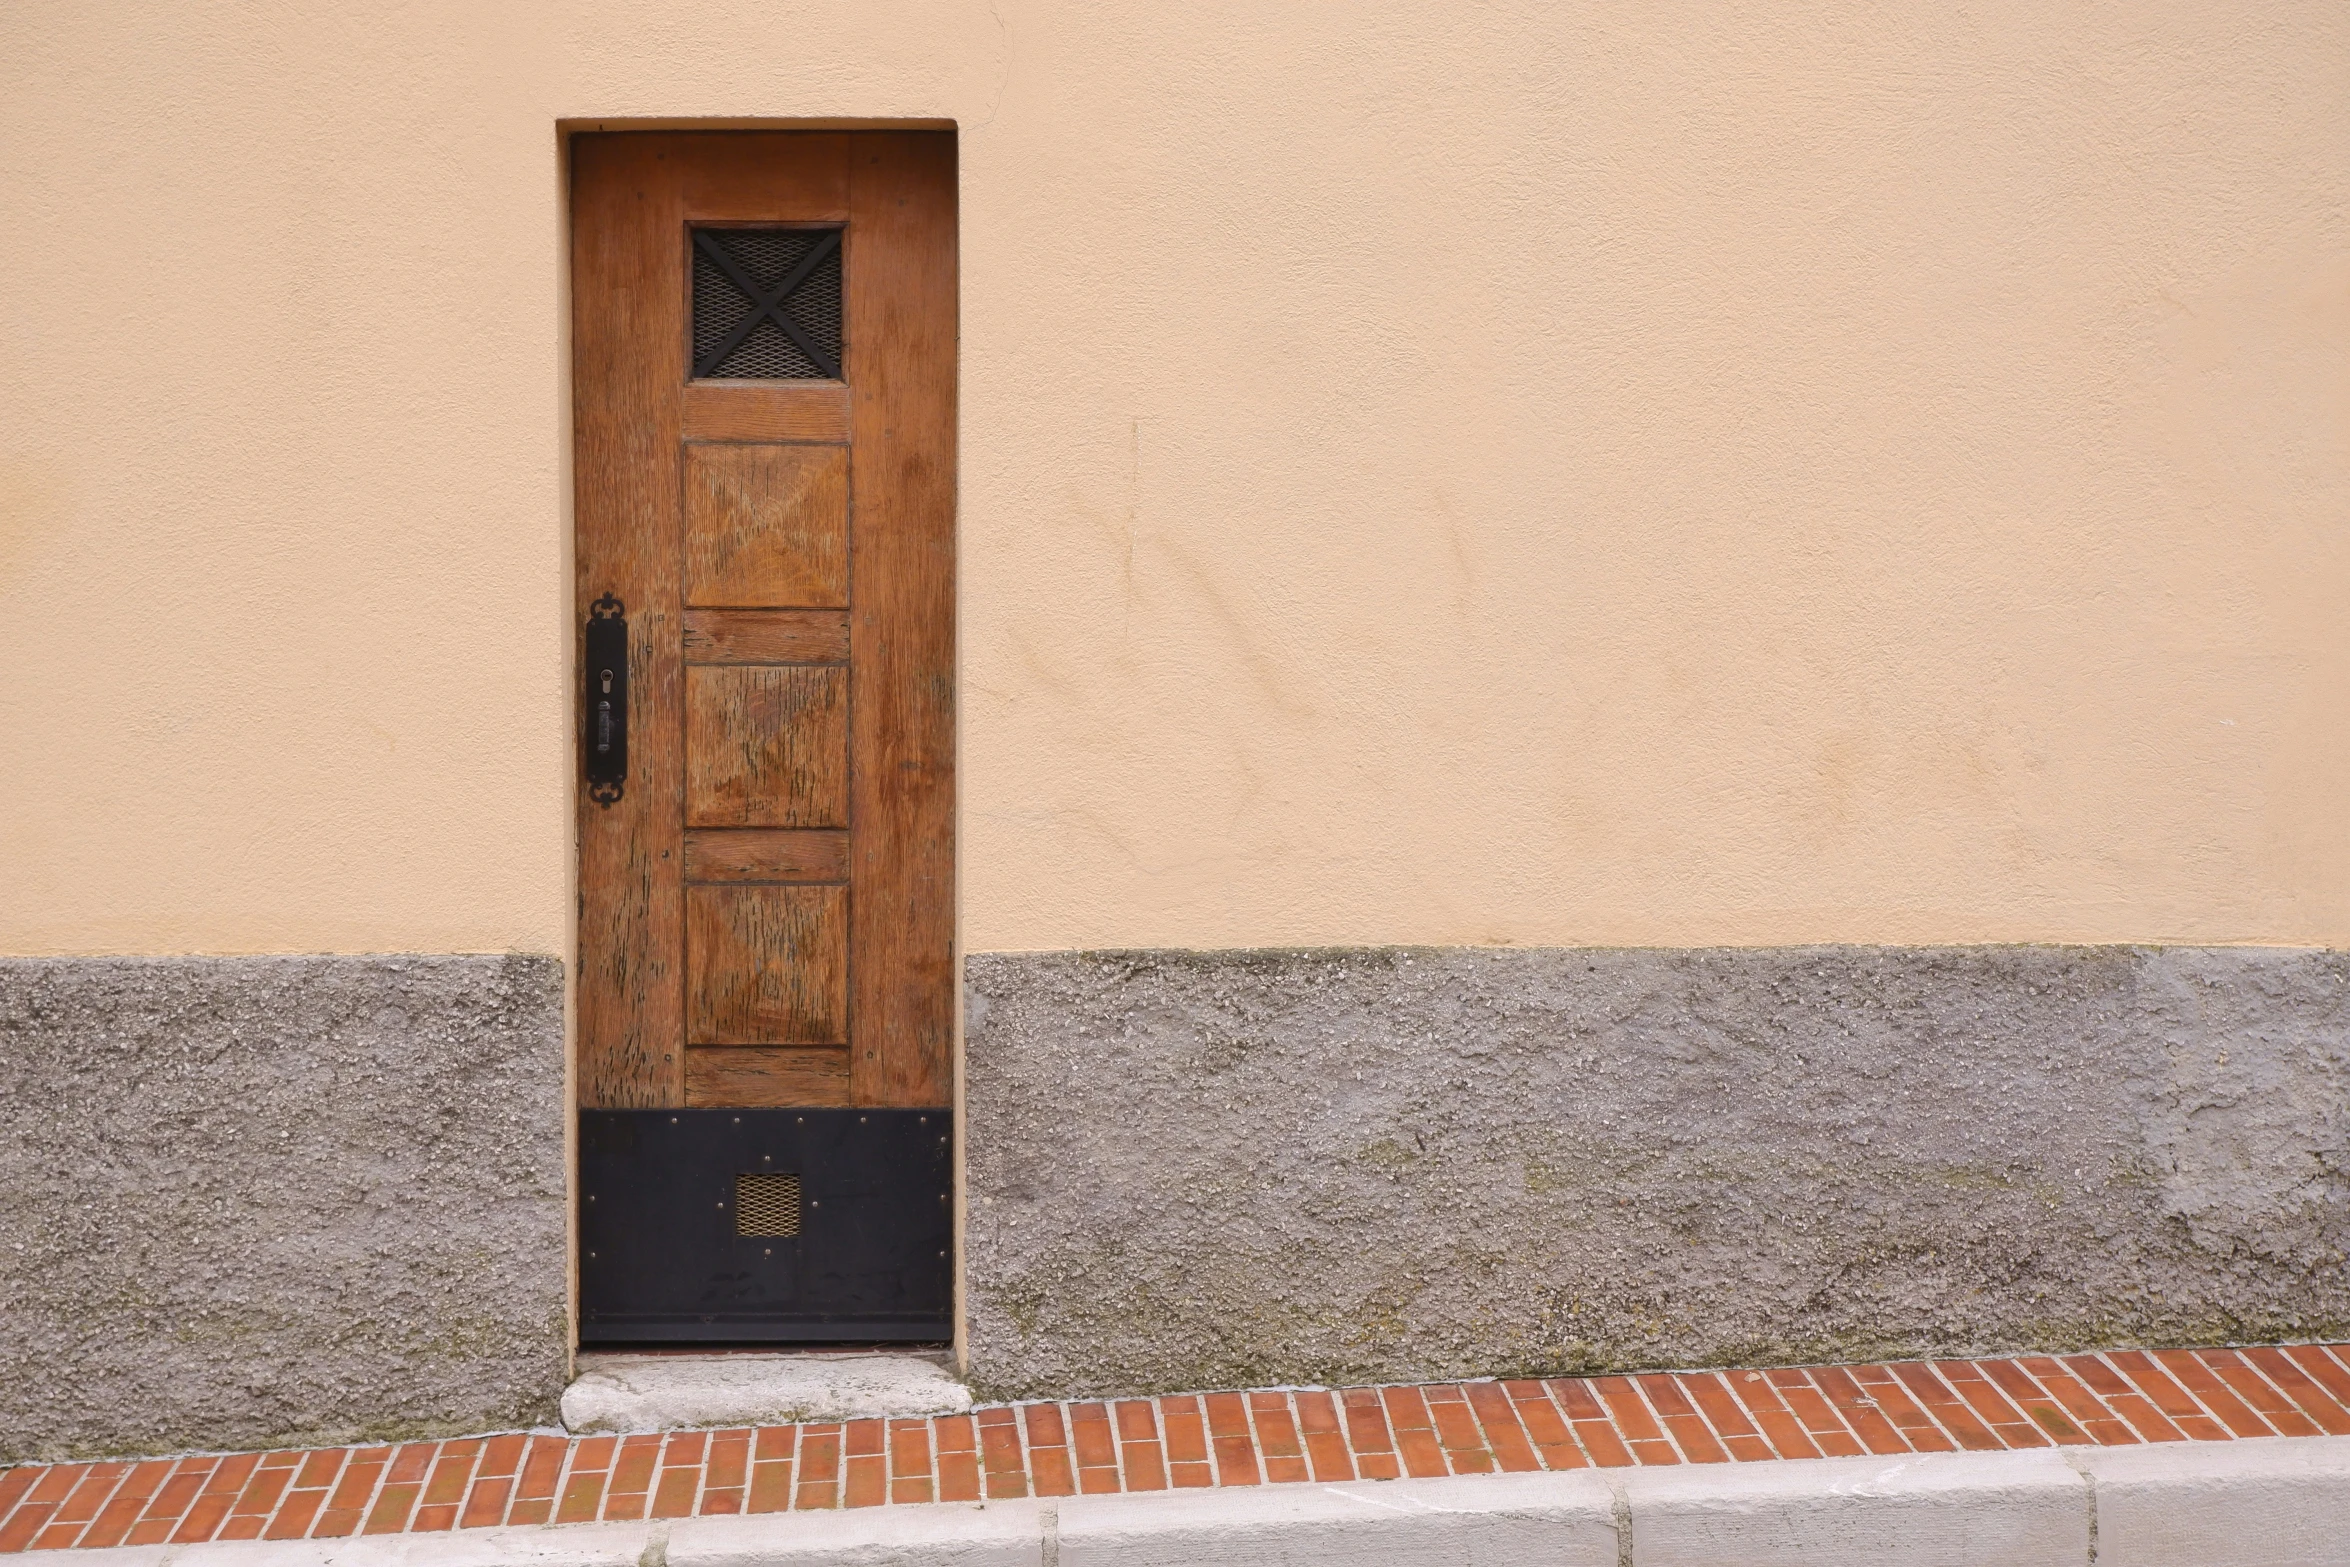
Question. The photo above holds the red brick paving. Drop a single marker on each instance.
(1189, 1440)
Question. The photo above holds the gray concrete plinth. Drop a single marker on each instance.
(1234, 1169)
(284, 1201)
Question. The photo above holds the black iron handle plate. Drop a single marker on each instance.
(605, 744)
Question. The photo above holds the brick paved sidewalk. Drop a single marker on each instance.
(1191, 1440)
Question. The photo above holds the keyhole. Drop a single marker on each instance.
(607, 682)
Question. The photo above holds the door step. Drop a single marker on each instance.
(622, 1392)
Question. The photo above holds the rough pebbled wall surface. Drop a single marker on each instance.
(1216, 1169)
(252, 1201)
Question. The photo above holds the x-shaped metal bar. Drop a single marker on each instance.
(766, 304)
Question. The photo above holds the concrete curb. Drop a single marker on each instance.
(1932, 1510)
(2275, 1502)
(2272, 1503)
(1558, 1520)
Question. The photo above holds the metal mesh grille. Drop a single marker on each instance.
(767, 259)
(766, 1205)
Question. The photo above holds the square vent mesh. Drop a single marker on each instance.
(766, 1205)
(767, 304)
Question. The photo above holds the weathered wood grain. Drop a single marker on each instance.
(768, 965)
(767, 745)
(766, 854)
(766, 411)
(628, 304)
(798, 718)
(766, 636)
(766, 1076)
(767, 526)
(900, 370)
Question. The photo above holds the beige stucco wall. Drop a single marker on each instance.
(1633, 473)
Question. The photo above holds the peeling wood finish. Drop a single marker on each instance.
(628, 294)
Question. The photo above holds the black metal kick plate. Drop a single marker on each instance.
(662, 1259)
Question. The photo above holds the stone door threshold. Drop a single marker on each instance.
(1213, 1441)
(629, 1391)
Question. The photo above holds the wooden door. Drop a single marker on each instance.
(763, 339)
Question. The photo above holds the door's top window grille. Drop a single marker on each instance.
(767, 304)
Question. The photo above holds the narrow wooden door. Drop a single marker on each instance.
(763, 341)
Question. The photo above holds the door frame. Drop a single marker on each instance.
(571, 609)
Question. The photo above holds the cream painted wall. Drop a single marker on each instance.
(1615, 473)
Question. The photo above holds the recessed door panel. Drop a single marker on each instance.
(766, 746)
(767, 525)
(768, 965)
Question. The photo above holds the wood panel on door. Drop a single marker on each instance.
(766, 913)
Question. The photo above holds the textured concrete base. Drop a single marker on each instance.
(258, 1201)
(622, 1392)
(2258, 1504)
(1235, 1169)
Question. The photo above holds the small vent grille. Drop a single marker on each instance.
(766, 1205)
(767, 304)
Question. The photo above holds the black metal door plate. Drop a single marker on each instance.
(605, 744)
(688, 1217)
